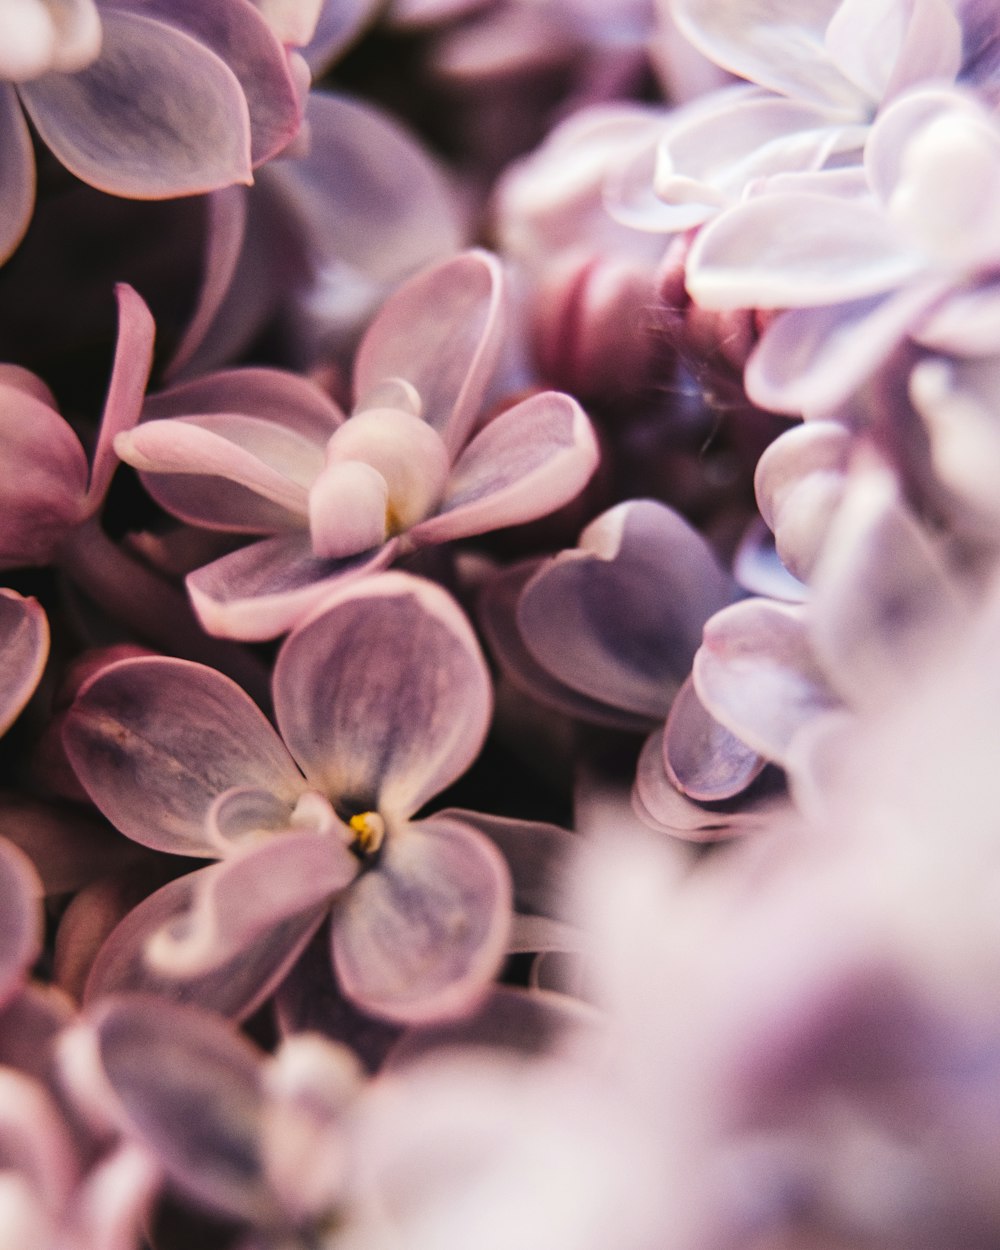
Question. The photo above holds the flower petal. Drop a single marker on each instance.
(156, 115)
(129, 375)
(702, 758)
(421, 936)
(265, 589)
(190, 1088)
(154, 741)
(441, 331)
(382, 695)
(757, 674)
(525, 463)
(249, 457)
(20, 917)
(235, 988)
(348, 510)
(24, 648)
(249, 896)
(17, 173)
(620, 617)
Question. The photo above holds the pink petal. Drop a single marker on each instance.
(154, 742)
(17, 173)
(235, 988)
(243, 452)
(249, 896)
(702, 758)
(525, 463)
(273, 395)
(189, 1088)
(348, 507)
(498, 619)
(43, 479)
(265, 589)
(659, 804)
(382, 695)
(225, 229)
(36, 1142)
(244, 41)
(620, 617)
(421, 936)
(338, 25)
(20, 917)
(24, 648)
(441, 331)
(757, 674)
(129, 375)
(156, 115)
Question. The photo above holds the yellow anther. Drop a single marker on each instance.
(370, 830)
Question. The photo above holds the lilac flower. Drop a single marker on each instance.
(271, 455)
(382, 698)
(861, 262)
(146, 100)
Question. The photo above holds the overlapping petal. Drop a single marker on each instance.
(155, 741)
(382, 695)
(24, 648)
(421, 937)
(17, 173)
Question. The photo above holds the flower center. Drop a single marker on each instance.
(369, 833)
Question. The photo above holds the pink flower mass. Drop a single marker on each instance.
(499, 625)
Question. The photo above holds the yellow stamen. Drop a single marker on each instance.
(370, 830)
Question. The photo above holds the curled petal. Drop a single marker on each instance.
(265, 589)
(620, 617)
(702, 758)
(272, 395)
(133, 361)
(157, 115)
(234, 988)
(190, 1089)
(441, 331)
(20, 917)
(17, 173)
(248, 896)
(24, 648)
(383, 695)
(421, 936)
(251, 457)
(348, 510)
(757, 674)
(155, 741)
(525, 463)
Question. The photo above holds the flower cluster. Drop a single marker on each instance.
(500, 532)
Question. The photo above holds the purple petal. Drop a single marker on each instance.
(371, 197)
(757, 674)
(777, 43)
(235, 988)
(157, 115)
(17, 173)
(246, 898)
(189, 1088)
(155, 741)
(812, 359)
(338, 25)
(263, 470)
(383, 695)
(421, 936)
(839, 250)
(885, 48)
(43, 478)
(20, 917)
(882, 593)
(273, 395)
(659, 804)
(30, 1024)
(525, 463)
(225, 229)
(245, 43)
(702, 758)
(620, 617)
(264, 590)
(293, 21)
(24, 648)
(129, 375)
(441, 331)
